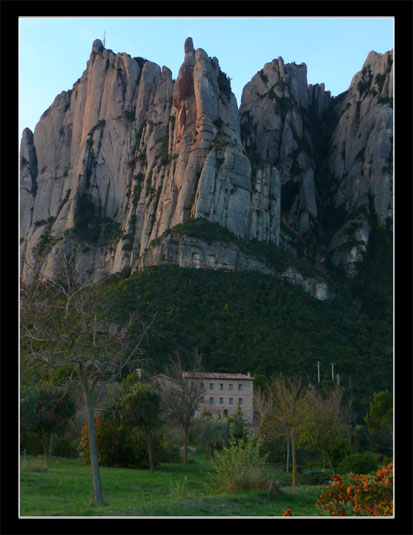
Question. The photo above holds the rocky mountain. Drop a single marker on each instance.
(128, 154)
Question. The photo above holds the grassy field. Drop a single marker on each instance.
(65, 489)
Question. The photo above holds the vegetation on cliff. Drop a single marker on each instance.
(247, 321)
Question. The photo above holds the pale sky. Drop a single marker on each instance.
(53, 51)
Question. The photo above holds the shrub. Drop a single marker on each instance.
(35, 465)
(358, 463)
(63, 447)
(263, 76)
(224, 83)
(359, 495)
(251, 479)
(210, 432)
(238, 466)
(179, 489)
(120, 446)
(317, 476)
(31, 442)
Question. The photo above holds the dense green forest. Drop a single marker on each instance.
(247, 321)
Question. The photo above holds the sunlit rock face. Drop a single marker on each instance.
(129, 153)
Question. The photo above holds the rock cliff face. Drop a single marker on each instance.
(129, 153)
(361, 159)
(276, 111)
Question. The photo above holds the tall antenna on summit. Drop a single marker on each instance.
(104, 38)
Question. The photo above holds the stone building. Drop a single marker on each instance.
(223, 392)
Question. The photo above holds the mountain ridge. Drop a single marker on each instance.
(128, 154)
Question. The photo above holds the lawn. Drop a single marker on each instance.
(172, 490)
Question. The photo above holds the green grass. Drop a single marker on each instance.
(172, 490)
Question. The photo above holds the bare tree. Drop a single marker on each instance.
(63, 327)
(262, 404)
(181, 397)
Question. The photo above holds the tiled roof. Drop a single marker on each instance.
(211, 375)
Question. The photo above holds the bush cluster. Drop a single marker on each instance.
(239, 467)
(121, 446)
(358, 463)
(359, 494)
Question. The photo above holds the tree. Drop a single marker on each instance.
(64, 328)
(236, 425)
(181, 397)
(46, 411)
(380, 420)
(211, 432)
(326, 425)
(287, 412)
(28, 409)
(141, 407)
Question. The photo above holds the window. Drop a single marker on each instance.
(202, 386)
(211, 400)
(221, 386)
(240, 401)
(230, 386)
(211, 386)
(221, 401)
(202, 400)
(239, 387)
(230, 401)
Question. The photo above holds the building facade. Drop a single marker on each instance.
(224, 392)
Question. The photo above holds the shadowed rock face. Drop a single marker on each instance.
(362, 143)
(362, 158)
(128, 153)
(276, 107)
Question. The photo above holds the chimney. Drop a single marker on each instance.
(249, 374)
(139, 370)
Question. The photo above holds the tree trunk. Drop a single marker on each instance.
(293, 460)
(288, 454)
(93, 452)
(50, 449)
(330, 464)
(185, 445)
(46, 449)
(150, 453)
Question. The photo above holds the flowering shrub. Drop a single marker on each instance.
(359, 494)
(287, 512)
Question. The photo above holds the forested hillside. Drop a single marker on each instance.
(247, 321)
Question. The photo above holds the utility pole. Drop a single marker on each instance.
(332, 364)
(338, 379)
(318, 370)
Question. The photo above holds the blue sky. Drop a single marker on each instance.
(53, 51)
